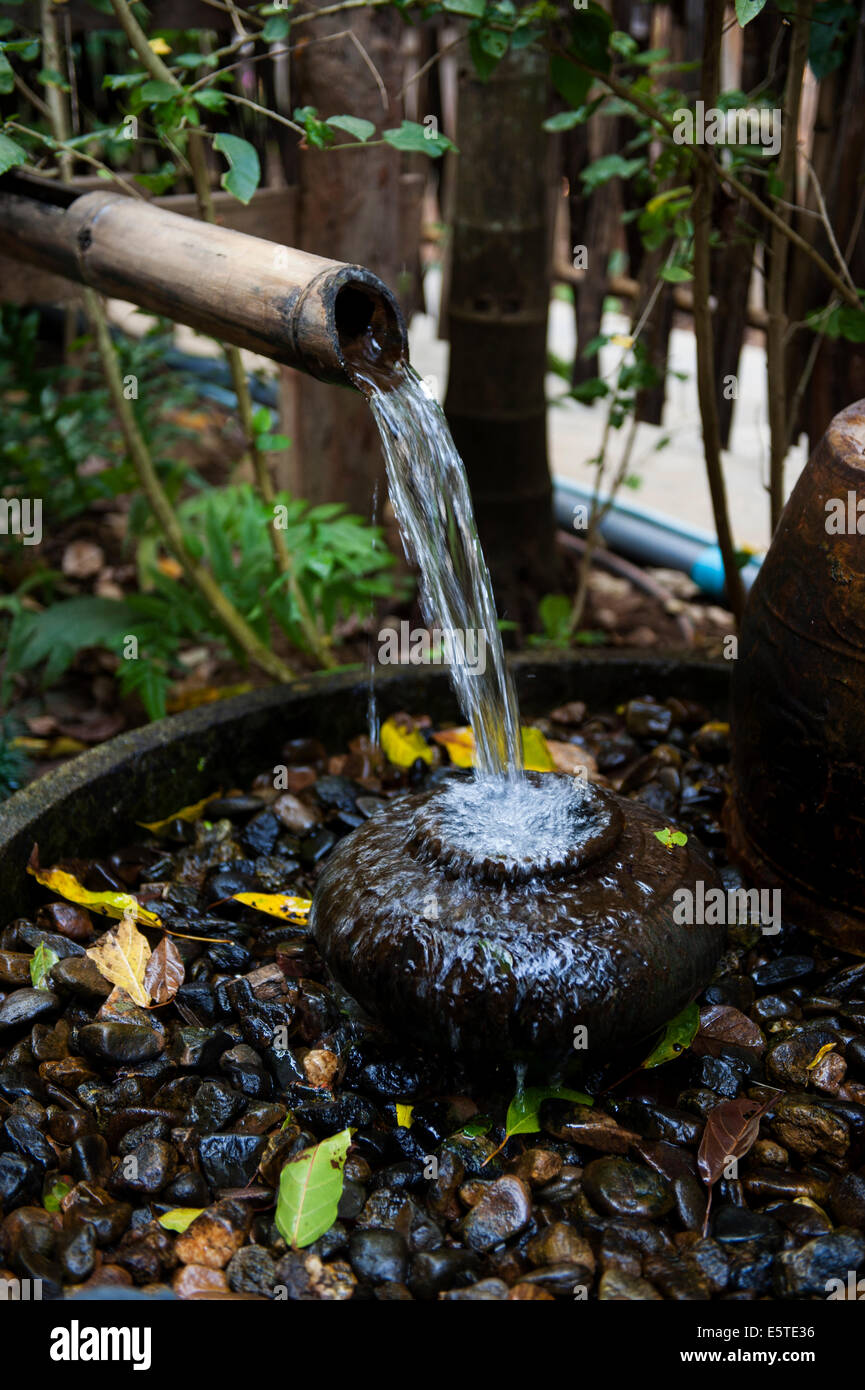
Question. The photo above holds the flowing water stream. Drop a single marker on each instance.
(430, 496)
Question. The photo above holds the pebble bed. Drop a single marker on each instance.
(114, 1115)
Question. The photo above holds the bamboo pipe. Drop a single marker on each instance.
(337, 322)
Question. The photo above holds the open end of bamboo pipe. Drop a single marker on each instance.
(371, 337)
(334, 321)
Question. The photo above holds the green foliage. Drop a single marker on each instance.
(339, 565)
(59, 444)
(413, 138)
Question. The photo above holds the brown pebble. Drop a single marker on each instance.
(524, 1292)
(199, 1281)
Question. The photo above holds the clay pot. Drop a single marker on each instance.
(797, 817)
(491, 958)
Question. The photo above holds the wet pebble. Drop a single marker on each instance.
(619, 1187)
(502, 1211)
(378, 1256)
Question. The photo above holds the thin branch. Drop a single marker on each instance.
(724, 176)
(703, 334)
(233, 621)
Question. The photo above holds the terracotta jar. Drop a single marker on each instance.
(797, 815)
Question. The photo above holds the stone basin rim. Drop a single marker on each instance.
(95, 801)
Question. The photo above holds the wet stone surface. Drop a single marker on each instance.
(111, 1116)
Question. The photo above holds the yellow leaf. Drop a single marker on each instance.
(403, 747)
(460, 745)
(536, 754)
(122, 956)
(188, 813)
(277, 905)
(403, 1116)
(205, 695)
(815, 1062)
(171, 568)
(159, 46)
(59, 747)
(179, 1218)
(622, 340)
(112, 904)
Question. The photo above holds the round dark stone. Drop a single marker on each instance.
(89, 1158)
(120, 1044)
(252, 1270)
(230, 1160)
(782, 971)
(809, 1270)
(618, 1187)
(378, 1256)
(24, 1007)
(733, 1225)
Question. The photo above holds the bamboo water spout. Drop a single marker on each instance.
(337, 322)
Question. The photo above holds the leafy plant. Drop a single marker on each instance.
(339, 565)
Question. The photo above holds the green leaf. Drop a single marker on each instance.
(610, 166)
(487, 50)
(679, 1033)
(570, 81)
(310, 1187)
(524, 1111)
(565, 120)
(7, 76)
(10, 154)
(154, 93)
(44, 959)
(670, 837)
(554, 611)
(675, 274)
(210, 99)
(474, 8)
(277, 27)
(352, 125)
(417, 139)
(851, 324)
(244, 174)
(179, 1218)
(746, 10)
(54, 1196)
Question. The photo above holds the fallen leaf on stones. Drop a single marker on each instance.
(403, 746)
(186, 813)
(731, 1131)
(179, 1218)
(164, 972)
(282, 905)
(122, 958)
(403, 1116)
(815, 1061)
(536, 754)
(66, 885)
(524, 1111)
(40, 966)
(310, 1187)
(720, 1024)
(460, 745)
(678, 1036)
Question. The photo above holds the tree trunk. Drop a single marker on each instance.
(499, 295)
(349, 208)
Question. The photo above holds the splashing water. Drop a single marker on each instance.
(430, 495)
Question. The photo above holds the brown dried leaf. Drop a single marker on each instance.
(731, 1129)
(122, 956)
(164, 972)
(719, 1024)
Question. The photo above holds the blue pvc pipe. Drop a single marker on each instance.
(650, 538)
